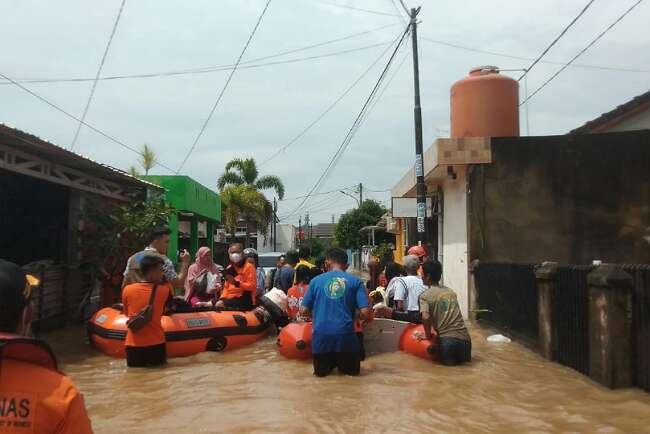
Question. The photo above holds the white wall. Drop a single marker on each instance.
(639, 121)
(454, 253)
(286, 239)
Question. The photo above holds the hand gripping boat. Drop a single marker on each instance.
(185, 333)
(380, 336)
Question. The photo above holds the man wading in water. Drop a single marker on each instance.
(332, 300)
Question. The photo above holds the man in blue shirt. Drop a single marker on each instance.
(332, 301)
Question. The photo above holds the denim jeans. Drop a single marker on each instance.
(454, 351)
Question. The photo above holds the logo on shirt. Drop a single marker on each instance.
(16, 412)
(335, 288)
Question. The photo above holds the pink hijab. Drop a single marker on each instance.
(204, 262)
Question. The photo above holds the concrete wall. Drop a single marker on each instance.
(569, 199)
(638, 121)
(454, 238)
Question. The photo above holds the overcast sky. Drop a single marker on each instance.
(266, 107)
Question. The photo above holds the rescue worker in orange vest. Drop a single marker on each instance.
(34, 396)
(240, 282)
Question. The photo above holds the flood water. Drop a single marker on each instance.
(506, 389)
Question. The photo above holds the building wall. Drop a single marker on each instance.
(638, 121)
(454, 256)
(569, 199)
(286, 239)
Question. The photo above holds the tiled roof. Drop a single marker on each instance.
(610, 118)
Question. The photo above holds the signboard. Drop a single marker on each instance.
(407, 207)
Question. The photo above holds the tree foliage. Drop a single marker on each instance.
(111, 233)
(147, 159)
(347, 230)
(241, 195)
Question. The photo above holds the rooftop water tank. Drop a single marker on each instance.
(485, 104)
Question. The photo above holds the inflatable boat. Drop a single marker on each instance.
(185, 333)
(380, 336)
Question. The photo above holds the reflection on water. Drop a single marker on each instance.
(506, 389)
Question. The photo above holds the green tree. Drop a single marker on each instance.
(316, 246)
(242, 198)
(133, 171)
(347, 230)
(147, 159)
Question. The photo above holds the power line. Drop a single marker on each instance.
(321, 202)
(630, 9)
(84, 123)
(327, 110)
(320, 194)
(350, 134)
(566, 29)
(338, 5)
(550, 62)
(251, 63)
(225, 86)
(99, 71)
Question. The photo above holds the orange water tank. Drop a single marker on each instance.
(485, 104)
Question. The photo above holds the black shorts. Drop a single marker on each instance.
(139, 357)
(346, 363)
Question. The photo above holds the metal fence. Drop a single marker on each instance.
(507, 296)
(572, 317)
(641, 321)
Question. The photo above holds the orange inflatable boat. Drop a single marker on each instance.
(294, 341)
(186, 333)
(380, 336)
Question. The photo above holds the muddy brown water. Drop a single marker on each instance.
(506, 389)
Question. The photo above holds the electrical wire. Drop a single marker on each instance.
(350, 134)
(223, 89)
(562, 33)
(327, 110)
(99, 71)
(591, 44)
(528, 59)
(252, 63)
(84, 123)
(388, 14)
(319, 194)
(322, 201)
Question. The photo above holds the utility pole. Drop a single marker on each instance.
(360, 194)
(275, 228)
(299, 231)
(421, 188)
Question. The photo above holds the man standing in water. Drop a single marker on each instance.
(158, 245)
(440, 310)
(34, 396)
(332, 301)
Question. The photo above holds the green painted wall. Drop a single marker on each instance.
(187, 195)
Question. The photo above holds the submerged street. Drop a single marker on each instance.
(506, 389)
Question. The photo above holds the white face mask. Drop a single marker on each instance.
(235, 258)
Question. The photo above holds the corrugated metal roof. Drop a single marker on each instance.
(622, 110)
(45, 149)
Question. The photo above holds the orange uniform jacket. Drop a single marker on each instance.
(34, 399)
(134, 298)
(247, 278)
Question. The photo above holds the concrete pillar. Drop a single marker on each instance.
(194, 236)
(209, 234)
(610, 326)
(546, 276)
(473, 306)
(172, 250)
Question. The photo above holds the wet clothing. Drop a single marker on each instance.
(294, 299)
(333, 298)
(408, 290)
(132, 271)
(134, 298)
(140, 357)
(40, 400)
(245, 284)
(346, 363)
(452, 351)
(441, 305)
(284, 278)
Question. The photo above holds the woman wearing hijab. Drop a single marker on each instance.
(203, 282)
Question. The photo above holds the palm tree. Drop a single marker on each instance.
(133, 171)
(147, 159)
(241, 191)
